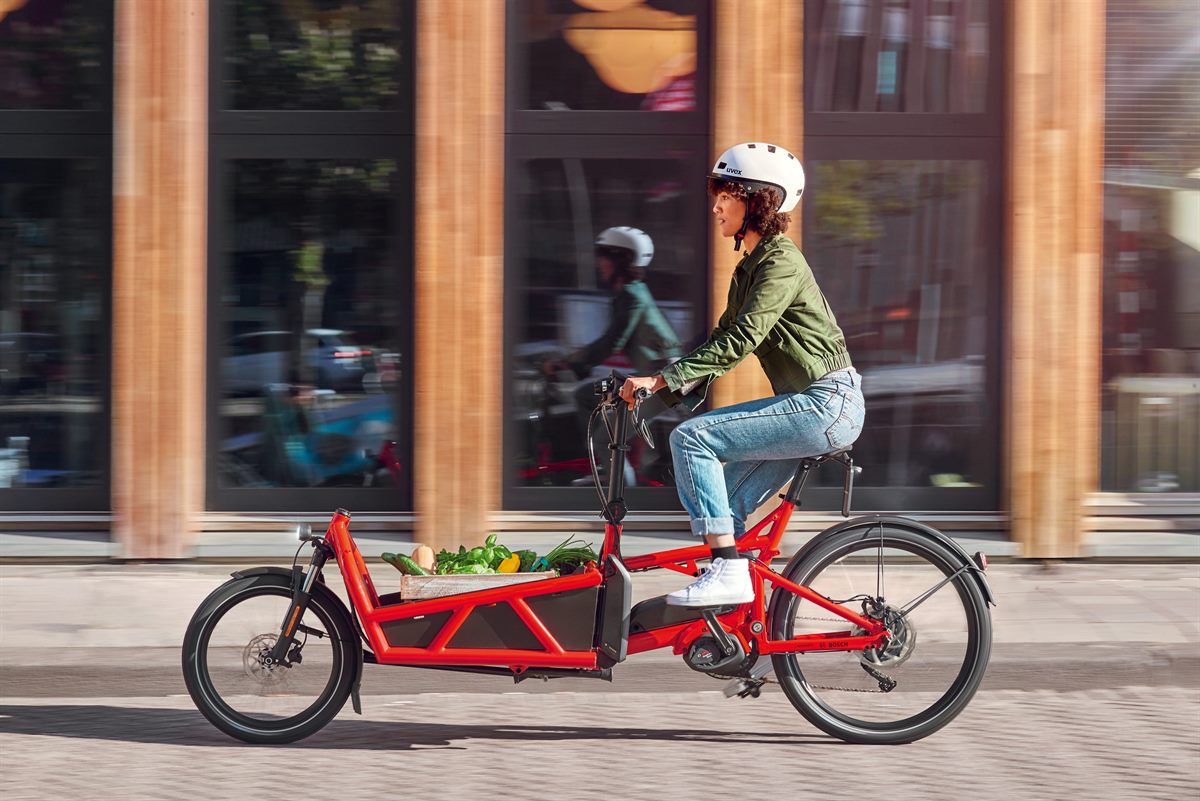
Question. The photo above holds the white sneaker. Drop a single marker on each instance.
(727, 581)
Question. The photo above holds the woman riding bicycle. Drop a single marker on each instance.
(729, 461)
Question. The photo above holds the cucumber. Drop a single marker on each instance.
(407, 565)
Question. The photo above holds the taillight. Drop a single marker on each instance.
(981, 560)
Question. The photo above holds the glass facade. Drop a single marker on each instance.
(907, 248)
(55, 255)
(579, 313)
(311, 352)
(54, 55)
(601, 56)
(928, 56)
(310, 255)
(54, 218)
(332, 55)
(1151, 336)
(900, 249)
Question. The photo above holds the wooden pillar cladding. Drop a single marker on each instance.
(160, 166)
(459, 268)
(1054, 162)
(757, 97)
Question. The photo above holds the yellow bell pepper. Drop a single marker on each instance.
(510, 564)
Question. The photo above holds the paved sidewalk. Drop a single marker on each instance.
(1127, 743)
(117, 606)
(1093, 691)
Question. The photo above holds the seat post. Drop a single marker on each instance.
(798, 481)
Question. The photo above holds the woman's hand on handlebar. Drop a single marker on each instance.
(649, 383)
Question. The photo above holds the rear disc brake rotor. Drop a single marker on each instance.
(902, 639)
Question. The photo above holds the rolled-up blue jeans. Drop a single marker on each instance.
(729, 461)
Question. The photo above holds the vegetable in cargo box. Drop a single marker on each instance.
(404, 564)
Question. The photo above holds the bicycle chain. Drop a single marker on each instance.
(836, 689)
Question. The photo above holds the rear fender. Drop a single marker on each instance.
(870, 521)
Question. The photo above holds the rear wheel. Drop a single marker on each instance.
(935, 657)
(227, 672)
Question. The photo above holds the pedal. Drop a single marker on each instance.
(750, 687)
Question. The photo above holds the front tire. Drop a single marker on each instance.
(252, 703)
(937, 658)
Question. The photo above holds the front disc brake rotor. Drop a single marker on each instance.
(254, 660)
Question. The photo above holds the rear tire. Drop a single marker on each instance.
(324, 611)
(836, 710)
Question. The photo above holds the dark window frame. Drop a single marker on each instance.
(232, 147)
(522, 148)
(97, 498)
(98, 121)
(989, 153)
(521, 120)
(226, 120)
(73, 134)
(988, 123)
(274, 134)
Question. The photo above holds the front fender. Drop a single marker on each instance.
(869, 521)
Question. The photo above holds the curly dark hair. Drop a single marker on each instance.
(759, 198)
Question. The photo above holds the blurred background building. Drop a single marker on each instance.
(264, 258)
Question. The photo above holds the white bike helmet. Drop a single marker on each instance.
(632, 239)
(756, 165)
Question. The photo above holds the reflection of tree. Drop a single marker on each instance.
(310, 211)
(853, 196)
(338, 55)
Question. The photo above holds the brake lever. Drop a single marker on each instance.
(639, 423)
(644, 430)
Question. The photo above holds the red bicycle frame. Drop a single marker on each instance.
(425, 632)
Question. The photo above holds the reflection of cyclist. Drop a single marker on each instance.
(777, 312)
(636, 325)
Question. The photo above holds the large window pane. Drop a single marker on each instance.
(54, 265)
(605, 56)
(313, 305)
(578, 316)
(328, 55)
(902, 249)
(53, 54)
(1151, 364)
(898, 55)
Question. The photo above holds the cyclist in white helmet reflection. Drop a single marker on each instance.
(636, 326)
(729, 461)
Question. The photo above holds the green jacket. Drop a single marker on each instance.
(638, 327)
(777, 312)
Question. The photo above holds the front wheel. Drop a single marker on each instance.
(226, 671)
(934, 659)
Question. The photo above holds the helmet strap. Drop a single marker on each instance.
(741, 233)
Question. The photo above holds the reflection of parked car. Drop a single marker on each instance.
(30, 362)
(260, 358)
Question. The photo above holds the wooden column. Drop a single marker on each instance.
(459, 268)
(1055, 162)
(758, 96)
(160, 164)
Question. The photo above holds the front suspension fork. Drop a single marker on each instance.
(301, 593)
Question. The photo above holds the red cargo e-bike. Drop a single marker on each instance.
(878, 629)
